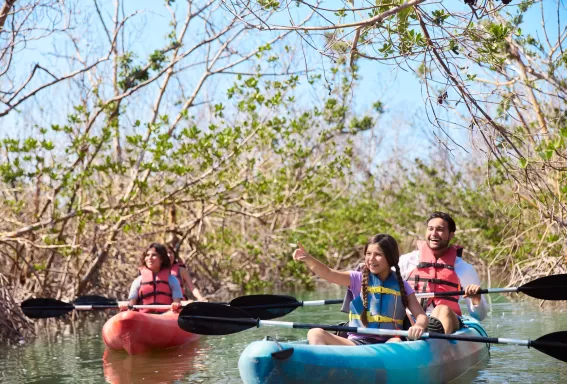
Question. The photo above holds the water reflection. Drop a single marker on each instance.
(165, 366)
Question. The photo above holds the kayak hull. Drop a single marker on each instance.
(423, 361)
(138, 332)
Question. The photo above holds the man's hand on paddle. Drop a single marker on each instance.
(471, 291)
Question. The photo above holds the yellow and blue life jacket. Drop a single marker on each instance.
(385, 307)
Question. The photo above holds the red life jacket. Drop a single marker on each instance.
(437, 275)
(154, 289)
(177, 273)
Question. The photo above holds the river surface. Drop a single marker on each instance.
(79, 355)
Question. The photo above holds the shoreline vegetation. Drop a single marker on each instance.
(17, 329)
(238, 143)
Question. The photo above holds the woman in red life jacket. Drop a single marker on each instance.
(380, 295)
(155, 285)
(181, 272)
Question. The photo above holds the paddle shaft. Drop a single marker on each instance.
(312, 303)
(418, 295)
(102, 307)
(458, 293)
(370, 331)
(424, 295)
(425, 335)
(280, 305)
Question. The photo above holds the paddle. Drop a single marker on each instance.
(265, 307)
(43, 308)
(552, 287)
(268, 307)
(215, 319)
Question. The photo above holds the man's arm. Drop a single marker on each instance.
(467, 276)
(407, 263)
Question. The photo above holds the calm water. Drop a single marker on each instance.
(79, 356)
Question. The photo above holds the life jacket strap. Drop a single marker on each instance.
(451, 299)
(424, 264)
(375, 318)
(424, 302)
(383, 290)
(155, 293)
(155, 282)
(435, 281)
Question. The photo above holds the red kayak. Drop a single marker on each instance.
(138, 332)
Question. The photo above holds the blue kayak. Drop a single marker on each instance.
(422, 361)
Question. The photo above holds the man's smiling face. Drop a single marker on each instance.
(437, 235)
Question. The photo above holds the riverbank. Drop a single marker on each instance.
(14, 326)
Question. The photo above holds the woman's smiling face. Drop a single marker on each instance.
(153, 260)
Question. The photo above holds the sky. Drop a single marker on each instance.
(397, 87)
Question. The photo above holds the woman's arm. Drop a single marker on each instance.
(198, 294)
(132, 296)
(421, 319)
(320, 269)
(176, 294)
(188, 282)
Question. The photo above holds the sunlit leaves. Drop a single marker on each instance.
(439, 16)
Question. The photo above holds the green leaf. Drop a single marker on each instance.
(523, 163)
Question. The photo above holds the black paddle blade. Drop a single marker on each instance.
(266, 307)
(553, 344)
(45, 308)
(552, 287)
(95, 300)
(214, 319)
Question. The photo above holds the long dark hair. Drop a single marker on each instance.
(391, 252)
(162, 252)
(169, 247)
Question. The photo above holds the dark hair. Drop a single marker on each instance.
(169, 247)
(391, 252)
(445, 216)
(162, 252)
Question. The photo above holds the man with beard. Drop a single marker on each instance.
(437, 266)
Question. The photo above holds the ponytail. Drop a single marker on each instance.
(364, 295)
(402, 286)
